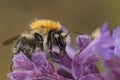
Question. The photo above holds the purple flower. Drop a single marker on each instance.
(63, 67)
(83, 65)
(77, 63)
(112, 68)
(37, 69)
(105, 42)
(108, 46)
(116, 38)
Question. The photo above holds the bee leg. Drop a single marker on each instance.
(49, 44)
(39, 41)
(50, 49)
(63, 47)
(18, 47)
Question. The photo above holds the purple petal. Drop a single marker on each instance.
(104, 28)
(31, 75)
(116, 38)
(41, 69)
(112, 67)
(113, 64)
(62, 78)
(48, 68)
(21, 61)
(65, 73)
(91, 77)
(106, 52)
(64, 60)
(71, 51)
(105, 43)
(38, 58)
(82, 41)
(42, 63)
(84, 61)
(84, 66)
(111, 75)
(20, 75)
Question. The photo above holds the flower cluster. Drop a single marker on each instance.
(77, 64)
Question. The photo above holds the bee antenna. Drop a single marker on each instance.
(77, 32)
(67, 34)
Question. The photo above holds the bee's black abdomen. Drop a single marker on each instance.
(28, 46)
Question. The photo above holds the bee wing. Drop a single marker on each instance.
(9, 41)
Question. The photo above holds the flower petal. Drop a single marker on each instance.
(20, 75)
(65, 73)
(104, 28)
(41, 69)
(42, 63)
(82, 41)
(21, 61)
(71, 51)
(31, 75)
(38, 58)
(82, 67)
(63, 60)
(116, 38)
(111, 75)
(112, 67)
(105, 44)
(91, 77)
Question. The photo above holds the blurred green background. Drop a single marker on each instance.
(77, 15)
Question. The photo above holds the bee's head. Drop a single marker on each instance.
(60, 39)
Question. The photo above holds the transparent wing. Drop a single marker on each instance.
(9, 41)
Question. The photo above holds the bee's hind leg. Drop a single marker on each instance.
(49, 45)
(50, 50)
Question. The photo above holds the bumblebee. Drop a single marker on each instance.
(43, 35)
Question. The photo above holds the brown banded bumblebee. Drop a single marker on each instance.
(43, 35)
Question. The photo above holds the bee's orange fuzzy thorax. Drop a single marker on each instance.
(45, 24)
